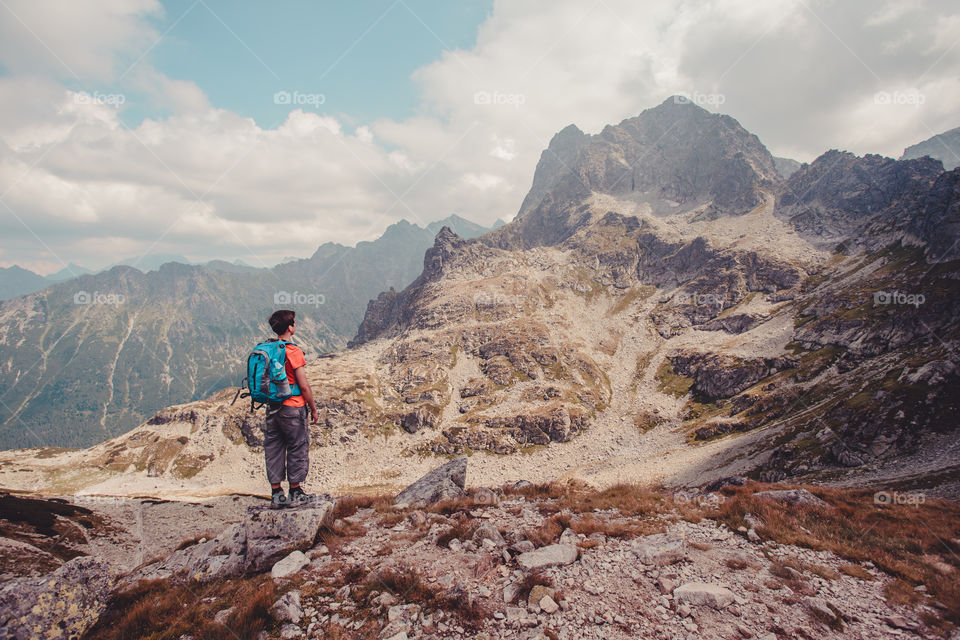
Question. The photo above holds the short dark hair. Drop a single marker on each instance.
(281, 320)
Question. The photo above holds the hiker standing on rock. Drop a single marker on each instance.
(286, 437)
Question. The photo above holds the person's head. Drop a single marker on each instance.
(282, 321)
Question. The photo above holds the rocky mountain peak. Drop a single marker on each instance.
(673, 158)
(867, 201)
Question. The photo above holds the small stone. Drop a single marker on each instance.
(538, 593)
(548, 605)
(548, 556)
(666, 585)
(660, 549)
(289, 631)
(289, 565)
(287, 608)
(522, 547)
(222, 615)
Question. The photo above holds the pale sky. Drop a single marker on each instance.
(220, 129)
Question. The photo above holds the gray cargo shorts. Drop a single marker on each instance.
(286, 444)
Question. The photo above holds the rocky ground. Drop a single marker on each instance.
(522, 561)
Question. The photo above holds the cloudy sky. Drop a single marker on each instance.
(234, 129)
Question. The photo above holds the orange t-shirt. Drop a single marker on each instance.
(295, 360)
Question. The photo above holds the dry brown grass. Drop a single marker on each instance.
(407, 585)
(627, 499)
(531, 580)
(615, 528)
(158, 610)
(461, 528)
(896, 538)
(856, 571)
(548, 532)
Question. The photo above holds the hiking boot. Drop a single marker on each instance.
(298, 496)
(278, 499)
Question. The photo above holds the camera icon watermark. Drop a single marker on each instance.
(85, 297)
(299, 99)
(897, 297)
(297, 297)
(700, 99)
(99, 97)
(910, 97)
(499, 98)
(897, 498)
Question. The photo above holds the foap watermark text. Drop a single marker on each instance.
(98, 297)
(897, 297)
(298, 297)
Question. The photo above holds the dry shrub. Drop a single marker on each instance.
(615, 529)
(856, 571)
(407, 585)
(461, 528)
(736, 564)
(469, 501)
(348, 505)
(159, 610)
(535, 578)
(896, 538)
(548, 532)
(701, 546)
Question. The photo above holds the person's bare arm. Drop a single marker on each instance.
(306, 392)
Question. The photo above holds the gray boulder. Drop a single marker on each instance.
(793, 497)
(702, 593)
(660, 549)
(254, 545)
(288, 608)
(63, 604)
(549, 556)
(273, 534)
(289, 565)
(488, 532)
(443, 483)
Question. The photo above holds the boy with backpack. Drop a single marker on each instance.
(286, 437)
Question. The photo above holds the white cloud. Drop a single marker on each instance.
(802, 75)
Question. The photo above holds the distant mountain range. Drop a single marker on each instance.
(944, 147)
(90, 357)
(666, 308)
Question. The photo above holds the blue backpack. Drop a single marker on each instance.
(267, 379)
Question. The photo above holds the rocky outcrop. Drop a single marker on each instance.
(720, 375)
(658, 156)
(264, 537)
(63, 604)
(863, 202)
(443, 483)
(944, 147)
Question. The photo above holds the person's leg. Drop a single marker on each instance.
(275, 450)
(298, 447)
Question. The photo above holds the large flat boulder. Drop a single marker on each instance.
(552, 555)
(793, 497)
(62, 604)
(443, 483)
(253, 545)
(703, 594)
(660, 549)
(273, 533)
